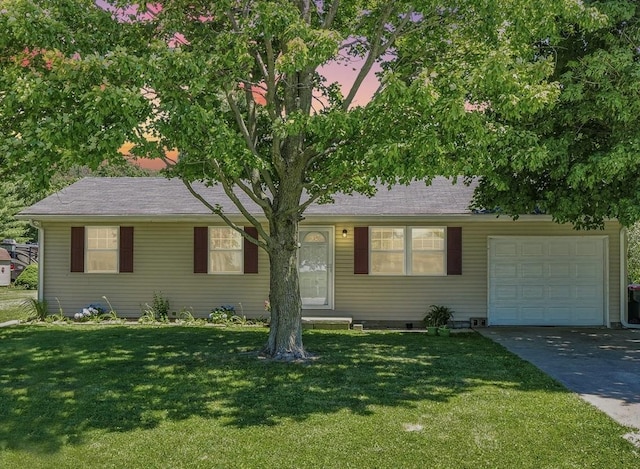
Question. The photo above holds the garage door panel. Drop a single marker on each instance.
(532, 270)
(533, 292)
(503, 270)
(506, 292)
(533, 249)
(506, 249)
(586, 249)
(563, 270)
(532, 314)
(588, 271)
(559, 249)
(554, 281)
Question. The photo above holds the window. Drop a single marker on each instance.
(225, 250)
(102, 249)
(407, 251)
(387, 251)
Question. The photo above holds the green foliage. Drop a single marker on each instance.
(36, 309)
(438, 316)
(577, 160)
(633, 254)
(226, 314)
(10, 204)
(28, 278)
(185, 317)
(157, 311)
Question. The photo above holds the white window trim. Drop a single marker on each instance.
(408, 267)
(87, 249)
(231, 272)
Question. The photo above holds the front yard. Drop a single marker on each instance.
(173, 397)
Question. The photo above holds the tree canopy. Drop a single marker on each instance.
(239, 87)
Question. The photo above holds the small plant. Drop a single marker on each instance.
(111, 314)
(92, 312)
(438, 316)
(157, 311)
(28, 278)
(184, 316)
(160, 306)
(38, 310)
(225, 314)
(57, 317)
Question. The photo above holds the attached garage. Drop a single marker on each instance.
(547, 280)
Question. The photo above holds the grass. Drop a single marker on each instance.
(198, 397)
(11, 303)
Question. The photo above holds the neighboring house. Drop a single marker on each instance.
(382, 260)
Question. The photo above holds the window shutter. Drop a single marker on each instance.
(361, 250)
(250, 251)
(77, 249)
(126, 249)
(200, 249)
(454, 251)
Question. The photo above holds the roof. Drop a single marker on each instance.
(161, 197)
(4, 255)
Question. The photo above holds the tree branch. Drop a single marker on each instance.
(377, 47)
(331, 15)
(218, 211)
(241, 123)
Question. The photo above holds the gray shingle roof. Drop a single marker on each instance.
(131, 196)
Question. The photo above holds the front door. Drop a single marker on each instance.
(315, 265)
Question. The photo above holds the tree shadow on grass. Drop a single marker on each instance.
(58, 383)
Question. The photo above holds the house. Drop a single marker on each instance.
(379, 261)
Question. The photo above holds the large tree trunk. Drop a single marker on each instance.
(285, 334)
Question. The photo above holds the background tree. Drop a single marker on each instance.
(237, 87)
(579, 159)
(10, 204)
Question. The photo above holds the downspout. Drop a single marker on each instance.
(623, 282)
(36, 224)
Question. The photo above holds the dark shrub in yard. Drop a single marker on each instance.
(28, 278)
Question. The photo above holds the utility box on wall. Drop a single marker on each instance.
(5, 268)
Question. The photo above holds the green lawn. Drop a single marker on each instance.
(11, 300)
(89, 396)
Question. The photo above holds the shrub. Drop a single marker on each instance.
(28, 278)
(90, 313)
(157, 311)
(225, 314)
(438, 316)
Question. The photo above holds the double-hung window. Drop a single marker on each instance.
(225, 250)
(102, 249)
(387, 251)
(407, 251)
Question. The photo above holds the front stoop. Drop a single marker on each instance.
(326, 323)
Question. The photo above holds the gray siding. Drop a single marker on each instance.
(163, 263)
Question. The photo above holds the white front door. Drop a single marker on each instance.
(315, 265)
(547, 280)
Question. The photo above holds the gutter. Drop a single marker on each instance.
(624, 299)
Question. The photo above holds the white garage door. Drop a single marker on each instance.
(547, 280)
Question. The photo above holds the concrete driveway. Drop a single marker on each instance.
(601, 365)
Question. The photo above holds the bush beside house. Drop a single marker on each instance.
(28, 278)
